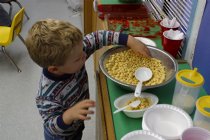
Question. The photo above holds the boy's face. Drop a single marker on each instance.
(75, 61)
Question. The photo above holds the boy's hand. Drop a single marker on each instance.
(78, 112)
(137, 46)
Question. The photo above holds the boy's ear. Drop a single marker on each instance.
(53, 69)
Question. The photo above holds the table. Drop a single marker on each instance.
(119, 124)
(116, 126)
(111, 127)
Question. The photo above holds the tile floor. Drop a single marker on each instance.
(19, 118)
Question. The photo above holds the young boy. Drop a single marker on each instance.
(63, 97)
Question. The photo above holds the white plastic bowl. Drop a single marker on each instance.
(147, 41)
(122, 100)
(166, 120)
(142, 135)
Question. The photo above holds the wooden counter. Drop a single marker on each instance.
(104, 122)
(107, 125)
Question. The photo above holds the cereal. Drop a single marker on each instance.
(122, 66)
(145, 103)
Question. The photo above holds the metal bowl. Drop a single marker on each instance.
(167, 60)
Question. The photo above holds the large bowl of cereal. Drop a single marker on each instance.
(119, 64)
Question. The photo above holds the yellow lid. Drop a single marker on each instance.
(190, 78)
(203, 105)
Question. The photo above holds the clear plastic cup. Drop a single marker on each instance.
(188, 84)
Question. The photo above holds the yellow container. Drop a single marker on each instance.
(202, 113)
(190, 78)
(188, 84)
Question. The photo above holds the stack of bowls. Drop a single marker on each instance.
(143, 135)
(166, 120)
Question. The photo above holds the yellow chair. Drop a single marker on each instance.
(8, 34)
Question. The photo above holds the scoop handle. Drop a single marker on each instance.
(137, 92)
(120, 109)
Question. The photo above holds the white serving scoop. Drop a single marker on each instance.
(132, 104)
(142, 74)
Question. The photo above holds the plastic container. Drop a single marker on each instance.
(188, 84)
(195, 133)
(202, 113)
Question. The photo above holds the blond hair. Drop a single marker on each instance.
(49, 42)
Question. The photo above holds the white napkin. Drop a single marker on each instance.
(166, 22)
(174, 35)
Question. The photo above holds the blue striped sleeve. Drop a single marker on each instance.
(123, 39)
(61, 123)
(100, 38)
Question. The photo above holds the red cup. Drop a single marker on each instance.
(170, 45)
(164, 28)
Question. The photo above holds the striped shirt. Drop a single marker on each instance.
(57, 94)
